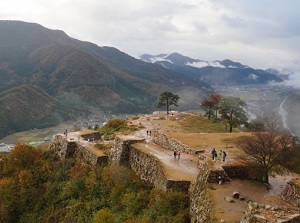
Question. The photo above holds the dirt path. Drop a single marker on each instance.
(253, 190)
(183, 168)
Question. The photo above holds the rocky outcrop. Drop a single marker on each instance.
(291, 192)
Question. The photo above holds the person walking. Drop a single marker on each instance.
(175, 154)
(224, 156)
(213, 153)
(220, 154)
(178, 154)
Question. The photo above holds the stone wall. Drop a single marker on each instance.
(147, 167)
(90, 157)
(291, 192)
(165, 142)
(249, 172)
(68, 149)
(200, 210)
(119, 154)
(126, 152)
(91, 135)
(62, 147)
(216, 175)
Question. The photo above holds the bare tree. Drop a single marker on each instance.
(208, 106)
(267, 149)
(212, 103)
(216, 99)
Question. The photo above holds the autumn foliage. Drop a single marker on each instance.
(36, 187)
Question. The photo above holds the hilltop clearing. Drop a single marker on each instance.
(196, 132)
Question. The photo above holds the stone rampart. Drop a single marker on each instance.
(119, 154)
(147, 167)
(200, 210)
(166, 142)
(67, 149)
(89, 156)
(250, 172)
(291, 192)
(90, 135)
(126, 152)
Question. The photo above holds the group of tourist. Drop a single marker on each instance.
(222, 154)
(66, 132)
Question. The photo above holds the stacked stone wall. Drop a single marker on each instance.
(249, 172)
(62, 147)
(91, 136)
(90, 157)
(148, 168)
(165, 142)
(216, 175)
(119, 154)
(200, 210)
(68, 149)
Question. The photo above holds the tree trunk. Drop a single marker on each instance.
(167, 107)
(230, 122)
(265, 178)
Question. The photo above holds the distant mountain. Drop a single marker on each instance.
(225, 72)
(47, 76)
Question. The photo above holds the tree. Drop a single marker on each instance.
(212, 103)
(208, 106)
(104, 215)
(267, 149)
(167, 99)
(22, 157)
(216, 99)
(232, 111)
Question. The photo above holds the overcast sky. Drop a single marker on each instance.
(260, 34)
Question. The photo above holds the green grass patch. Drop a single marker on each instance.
(198, 123)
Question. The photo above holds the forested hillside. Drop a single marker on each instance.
(66, 78)
(35, 186)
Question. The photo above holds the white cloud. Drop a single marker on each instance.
(261, 34)
(200, 64)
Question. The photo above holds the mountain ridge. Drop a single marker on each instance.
(78, 75)
(225, 72)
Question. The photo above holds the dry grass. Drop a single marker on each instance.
(200, 133)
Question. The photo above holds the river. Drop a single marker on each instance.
(283, 115)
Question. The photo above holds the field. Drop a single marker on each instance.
(35, 135)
